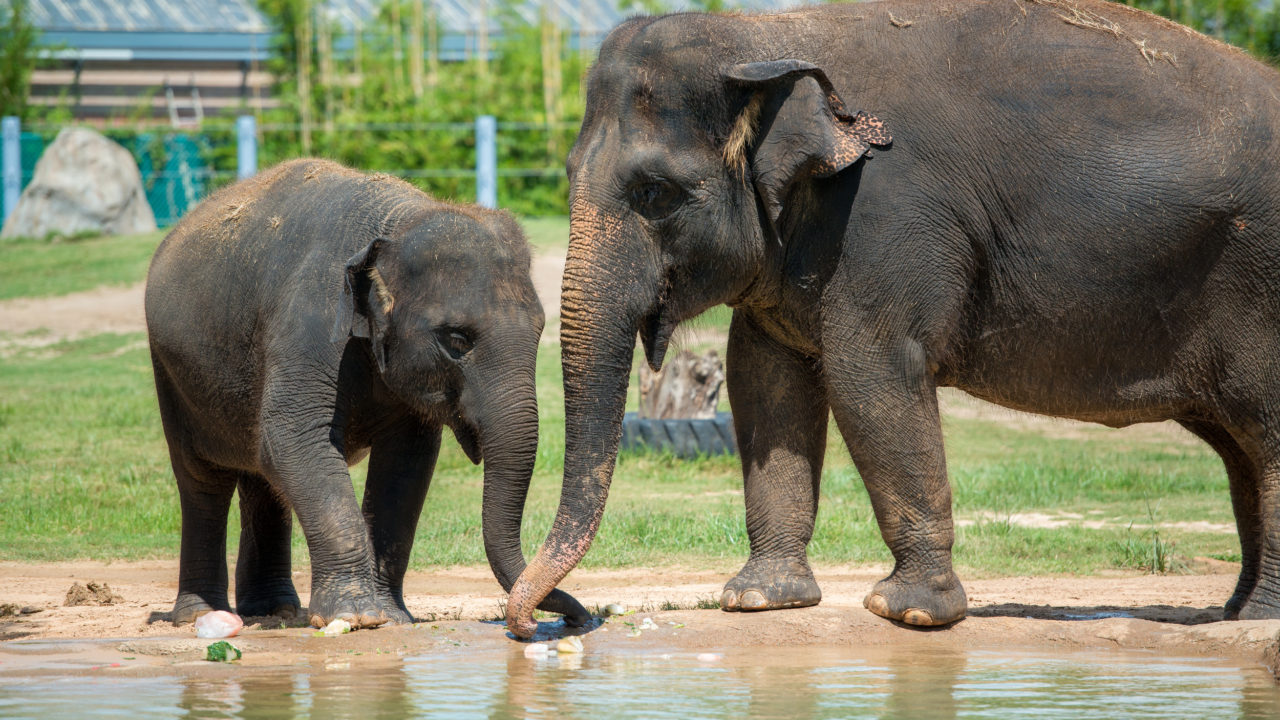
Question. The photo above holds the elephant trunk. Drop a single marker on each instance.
(509, 439)
(597, 335)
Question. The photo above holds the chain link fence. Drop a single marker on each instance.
(179, 168)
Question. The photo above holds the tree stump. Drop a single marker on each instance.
(688, 387)
(678, 409)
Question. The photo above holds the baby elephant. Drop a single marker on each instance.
(310, 316)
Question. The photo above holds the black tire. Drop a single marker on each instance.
(684, 437)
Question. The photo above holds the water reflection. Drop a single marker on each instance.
(919, 682)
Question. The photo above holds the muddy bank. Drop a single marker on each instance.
(458, 610)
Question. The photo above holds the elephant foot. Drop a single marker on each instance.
(281, 603)
(1261, 605)
(350, 601)
(190, 606)
(937, 600)
(771, 585)
(1239, 598)
(392, 603)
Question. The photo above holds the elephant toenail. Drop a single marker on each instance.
(729, 601)
(916, 616)
(754, 600)
(876, 603)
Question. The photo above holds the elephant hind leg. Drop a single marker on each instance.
(264, 582)
(204, 491)
(1243, 477)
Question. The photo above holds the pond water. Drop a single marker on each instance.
(916, 684)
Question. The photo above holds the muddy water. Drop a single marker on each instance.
(755, 683)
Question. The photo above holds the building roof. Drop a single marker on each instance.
(221, 16)
(234, 30)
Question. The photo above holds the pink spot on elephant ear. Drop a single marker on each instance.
(871, 130)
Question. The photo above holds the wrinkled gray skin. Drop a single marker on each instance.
(310, 316)
(1075, 221)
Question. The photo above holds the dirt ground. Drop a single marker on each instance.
(1172, 615)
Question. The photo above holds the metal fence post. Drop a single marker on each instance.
(486, 161)
(246, 147)
(11, 127)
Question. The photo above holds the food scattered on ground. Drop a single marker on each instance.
(218, 624)
(91, 593)
(337, 627)
(615, 609)
(222, 651)
(536, 650)
(708, 657)
(571, 644)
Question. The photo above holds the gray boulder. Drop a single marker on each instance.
(83, 181)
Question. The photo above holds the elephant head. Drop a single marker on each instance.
(689, 166)
(453, 323)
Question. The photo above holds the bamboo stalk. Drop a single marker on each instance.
(397, 51)
(551, 78)
(415, 49)
(433, 49)
(302, 34)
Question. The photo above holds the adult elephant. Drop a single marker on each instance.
(313, 315)
(1076, 215)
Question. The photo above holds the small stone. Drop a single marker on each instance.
(536, 650)
(615, 609)
(571, 644)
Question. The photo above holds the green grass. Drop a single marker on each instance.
(84, 469)
(38, 268)
(547, 233)
(84, 473)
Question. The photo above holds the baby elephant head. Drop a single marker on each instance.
(452, 324)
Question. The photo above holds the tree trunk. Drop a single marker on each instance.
(687, 387)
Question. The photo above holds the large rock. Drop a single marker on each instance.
(83, 181)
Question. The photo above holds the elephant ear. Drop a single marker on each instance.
(802, 129)
(366, 302)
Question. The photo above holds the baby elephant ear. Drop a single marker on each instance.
(365, 303)
(803, 130)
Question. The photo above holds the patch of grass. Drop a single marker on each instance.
(84, 468)
(547, 233)
(36, 268)
(43, 268)
(85, 474)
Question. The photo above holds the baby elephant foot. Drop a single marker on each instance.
(350, 601)
(282, 604)
(190, 606)
(771, 585)
(939, 600)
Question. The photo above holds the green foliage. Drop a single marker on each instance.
(18, 55)
(379, 120)
(1246, 24)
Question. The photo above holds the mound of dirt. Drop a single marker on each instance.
(91, 594)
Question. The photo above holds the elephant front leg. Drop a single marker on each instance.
(885, 404)
(264, 578)
(400, 467)
(780, 418)
(303, 465)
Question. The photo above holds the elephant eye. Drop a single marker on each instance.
(655, 199)
(455, 341)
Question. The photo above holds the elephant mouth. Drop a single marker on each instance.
(655, 335)
(468, 436)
